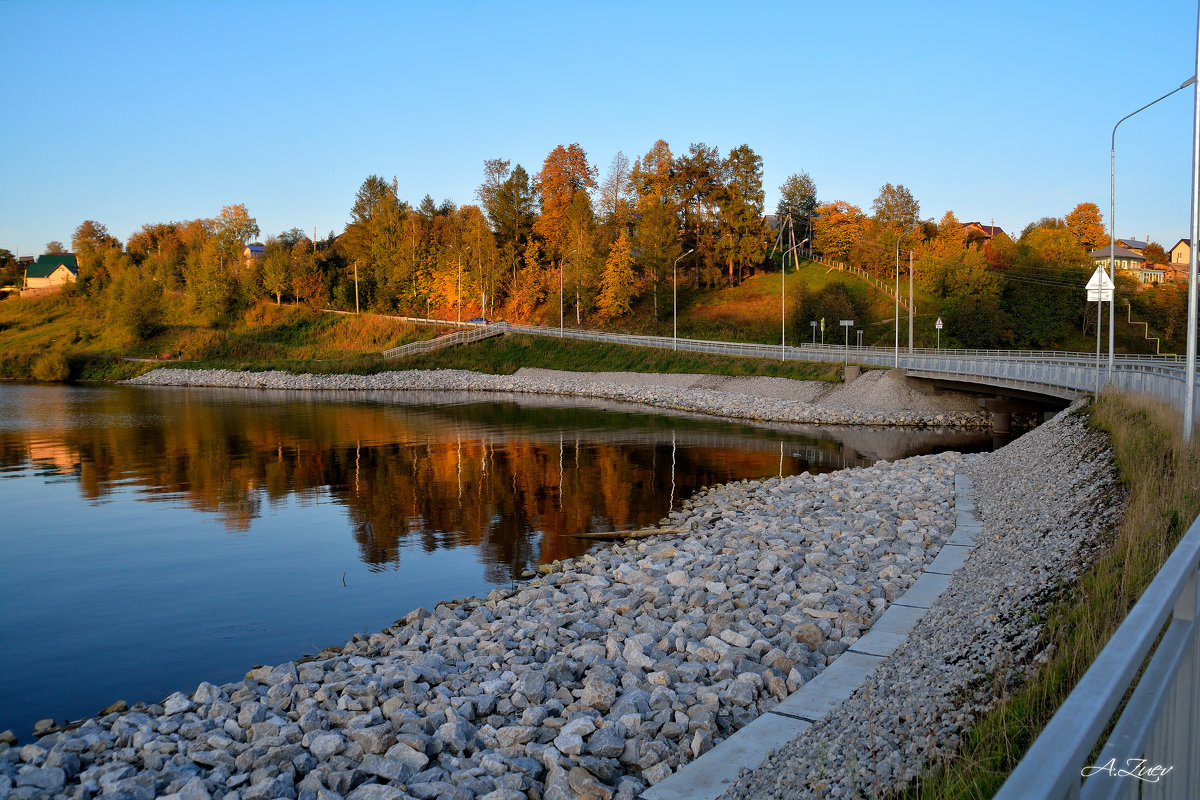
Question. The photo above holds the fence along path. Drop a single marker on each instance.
(446, 340)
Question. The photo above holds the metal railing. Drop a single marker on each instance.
(1160, 723)
(476, 333)
(878, 283)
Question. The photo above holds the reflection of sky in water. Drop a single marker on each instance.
(281, 523)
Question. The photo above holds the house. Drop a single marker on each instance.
(50, 273)
(1181, 253)
(1130, 262)
(1134, 245)
(978, 233)
(251, 253)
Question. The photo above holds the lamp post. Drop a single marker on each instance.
(906, 233)
(562, 262)
(459, 295)
(1112, 213)
(813, 323)
(675, 301)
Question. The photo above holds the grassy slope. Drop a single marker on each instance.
(1160, 473)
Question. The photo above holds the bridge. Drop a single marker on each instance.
(1038, 375)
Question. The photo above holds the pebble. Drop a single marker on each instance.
(1047, 501)
(597, 679)
(845, 406)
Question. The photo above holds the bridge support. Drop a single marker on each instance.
(1001, 409)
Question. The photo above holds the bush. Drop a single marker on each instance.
(51, 368)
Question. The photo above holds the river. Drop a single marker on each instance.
(156, 537)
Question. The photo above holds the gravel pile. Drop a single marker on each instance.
(594, 680)
(648, 391)
(1047, 501)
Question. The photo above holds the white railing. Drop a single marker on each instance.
(476, 333)
(1160, 724)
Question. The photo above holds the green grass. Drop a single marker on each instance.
(504, 355)
(1162, 475)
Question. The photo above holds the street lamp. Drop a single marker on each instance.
(459, 295)
(1112, 213)
(562, 262)
(675, 301)
(906, 233)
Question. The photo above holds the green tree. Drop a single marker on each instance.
(656, 235)
(277, 269)
(55, 247)
(798, 199)
(618, 287)
(743, 233)
(136, 304)
(512, 216)
(895, 207)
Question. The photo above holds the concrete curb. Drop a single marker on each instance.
(709, 776)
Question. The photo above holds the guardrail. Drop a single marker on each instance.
(868, 277)
(477, 333)
(1159, 725)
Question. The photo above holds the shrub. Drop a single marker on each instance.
(51, 367)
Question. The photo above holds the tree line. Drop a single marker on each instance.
(612, 243)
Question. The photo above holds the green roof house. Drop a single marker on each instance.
(50, 273)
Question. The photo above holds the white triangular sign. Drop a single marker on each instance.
(1100, 286)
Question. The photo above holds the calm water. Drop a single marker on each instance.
(152, 538)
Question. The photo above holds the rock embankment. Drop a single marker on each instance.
(594, 680)
(648, 390)
(1047, 501)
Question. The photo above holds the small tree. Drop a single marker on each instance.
(617, 285)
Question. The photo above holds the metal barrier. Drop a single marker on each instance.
(477, 333)
(1153, 750)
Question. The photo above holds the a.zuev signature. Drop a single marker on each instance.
(1134, 768)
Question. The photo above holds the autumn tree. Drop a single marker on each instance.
(618, 287)
(581, 260)
(565, 174)
(276, 271)
(1155, 253)
(91, 244)
(656, 235)
(616, 202)
(837, 225)
(55, 247)
(1086, 224)
(233, 229)
(951, 270)
(135, 304)
(530, 289)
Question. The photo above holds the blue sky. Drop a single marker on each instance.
(129, 113)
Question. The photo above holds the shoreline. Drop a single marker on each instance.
(602, 678)
(635, 697)
(642, 389)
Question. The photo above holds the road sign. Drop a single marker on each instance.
(1100, 287)
(938, 324)
(846, 322)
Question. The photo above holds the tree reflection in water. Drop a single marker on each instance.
(512, 477)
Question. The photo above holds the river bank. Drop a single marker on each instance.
(874, 398)
(596, 681)
(605, 677)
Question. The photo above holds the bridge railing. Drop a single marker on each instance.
(1159, 725)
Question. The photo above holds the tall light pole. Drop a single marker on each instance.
(1194, 234)
(459, 295)
(906, 233)
(675, 301)
(1112, 213)
(562, 263)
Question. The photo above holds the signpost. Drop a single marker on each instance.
(822, 331)
(1099, 291)
(847, 324)
(938, 325)
(813, 323)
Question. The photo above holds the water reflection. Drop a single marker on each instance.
(179, 535)
(511, 476)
